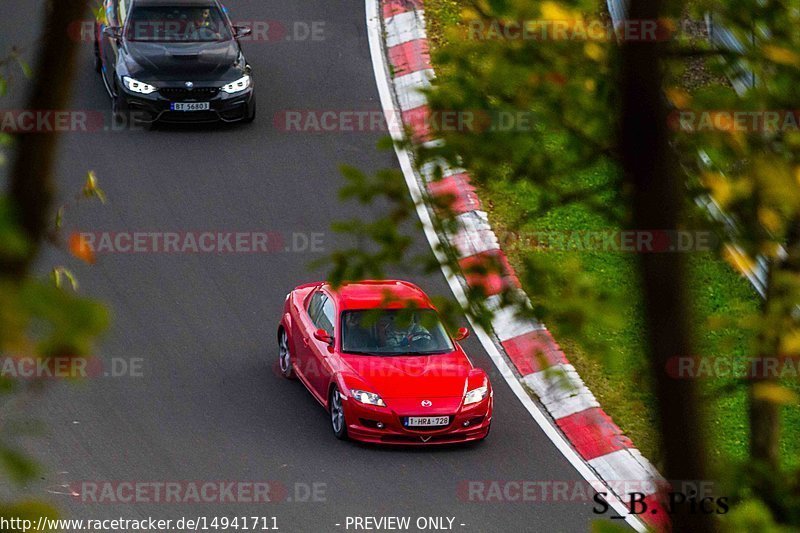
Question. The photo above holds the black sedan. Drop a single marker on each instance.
(174, 61)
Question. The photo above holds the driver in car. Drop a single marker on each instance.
(397, 336)
(204, 25)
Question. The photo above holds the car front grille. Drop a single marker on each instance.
(181, 94)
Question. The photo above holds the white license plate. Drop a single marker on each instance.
(424, 421)
(190, 106)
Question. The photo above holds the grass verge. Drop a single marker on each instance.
(722, 300)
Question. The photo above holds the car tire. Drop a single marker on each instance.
(336, 410)
(284, 355)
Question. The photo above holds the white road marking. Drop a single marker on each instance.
(404, 27)
(409, 89)
(382, 77)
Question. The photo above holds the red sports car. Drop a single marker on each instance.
(376, 356)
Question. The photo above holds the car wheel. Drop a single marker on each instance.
(338, 423)
(284, 356)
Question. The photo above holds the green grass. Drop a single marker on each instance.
(619, 381)
(439, 15)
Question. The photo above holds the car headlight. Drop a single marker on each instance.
(369, 398)
(476, 395)
(237, 86)
(137, 86)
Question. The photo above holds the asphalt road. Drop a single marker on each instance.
(209, 405)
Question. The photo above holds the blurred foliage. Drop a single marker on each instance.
(568, 86)
(40, 319)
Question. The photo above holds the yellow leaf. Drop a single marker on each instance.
(594, 51)
(679, 97)
(668, 24)
(774, 393)
(769, 219)
(90, 188)
(556, 11)
(790, 343)
(781, 55)
(739, 260)
(719, 187)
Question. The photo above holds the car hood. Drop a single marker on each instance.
(418, 376)
(149, 61)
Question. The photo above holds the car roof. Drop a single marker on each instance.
(389, 294)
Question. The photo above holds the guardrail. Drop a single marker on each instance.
(742, 80)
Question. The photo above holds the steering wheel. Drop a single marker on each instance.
(419, 336)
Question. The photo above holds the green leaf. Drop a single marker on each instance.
(19, 467)
(26, 69)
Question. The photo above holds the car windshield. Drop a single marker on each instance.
(389, 332)
(177, 24)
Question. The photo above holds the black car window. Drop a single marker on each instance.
(322, 311)
(177, 24)
(326, 317)
(314, 305)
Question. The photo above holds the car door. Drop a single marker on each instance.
(304, 328)
(319, 354)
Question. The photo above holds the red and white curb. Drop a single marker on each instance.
(574, 422)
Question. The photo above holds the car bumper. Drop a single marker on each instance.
(158, 108)
(467, 424)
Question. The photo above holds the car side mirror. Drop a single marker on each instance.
(323, 336)
(462, 334)
(242, 31)
(113, 32)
